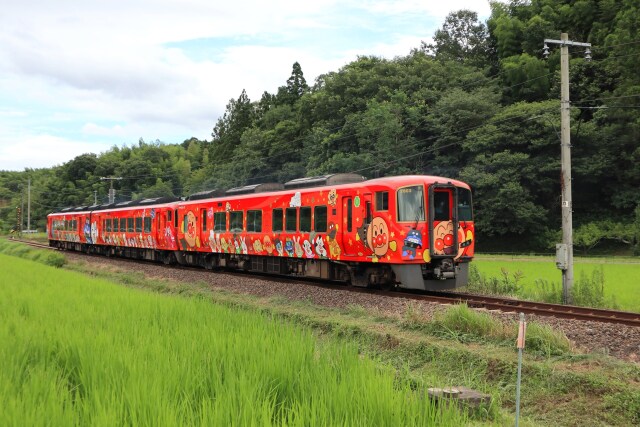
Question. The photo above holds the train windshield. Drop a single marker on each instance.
(465, 212)
(411, 204)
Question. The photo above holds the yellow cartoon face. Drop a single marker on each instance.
(378, 236)
(443, 238)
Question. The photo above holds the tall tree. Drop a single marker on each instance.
(461, 38)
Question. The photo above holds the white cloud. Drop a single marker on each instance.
(44, 151)
(103, 71)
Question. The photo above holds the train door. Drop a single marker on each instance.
(161, 225)
(443, 221)
(347, 226)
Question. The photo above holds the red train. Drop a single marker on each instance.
(415, 232)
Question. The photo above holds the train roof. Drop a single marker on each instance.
(337, 179)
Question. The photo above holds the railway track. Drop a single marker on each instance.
(475, 301)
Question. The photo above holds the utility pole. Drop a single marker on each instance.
(21, 227)
(29, 206)
(112, 191)
(564, 251)
(95, 197)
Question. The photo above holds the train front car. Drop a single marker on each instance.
(422, 227)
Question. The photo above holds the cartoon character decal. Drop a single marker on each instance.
(87, 232)
(412, 242)
(376, 237)
(308, 251)
(296, 200)
(334, 247)
(190, 234)
(320, 249)
(443, 241)
(257, 246)
(298, 247)
(288, 247)
(279, 247)
(332, 198)
(94, 232)
(267, 245)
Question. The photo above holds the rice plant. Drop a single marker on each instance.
(81, 351)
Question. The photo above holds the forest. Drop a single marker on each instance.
(478, 102)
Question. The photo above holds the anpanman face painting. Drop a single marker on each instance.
(443, 238)
(378, 236)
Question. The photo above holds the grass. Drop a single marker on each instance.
(560, 387)
(51, 258)
(537, 276)
(82, 351)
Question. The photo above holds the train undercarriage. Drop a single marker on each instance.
(441, 274)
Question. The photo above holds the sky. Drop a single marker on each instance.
(82, 76)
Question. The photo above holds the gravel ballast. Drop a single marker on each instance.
(619, 341)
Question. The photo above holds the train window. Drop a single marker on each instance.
(123, 224)
(139, 225)
(116, 224)
(175, 219)
(349, 214)
(276, 220)
(410, 203)
(320, 219)
(130, 225)
(382, 200)
(441, 206)
(169, 217)
(220, 221)
(204, 220)
(291, 219)
(235, 221)
(147, 224)
(305, 219)
(108, 225)
(369, 215)
(465, 212)
(254, 221)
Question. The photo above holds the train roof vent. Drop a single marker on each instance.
(209, 194)
(255, 188)
(105, 206)
(126, 204)
(66, 209)
(80, 208)
(324, 180)
(159, 200)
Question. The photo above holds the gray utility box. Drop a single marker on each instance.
(562, 256)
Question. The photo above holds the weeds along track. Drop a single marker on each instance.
(476, 301)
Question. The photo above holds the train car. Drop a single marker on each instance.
(414, 232)
(70, 228)
(141, 229)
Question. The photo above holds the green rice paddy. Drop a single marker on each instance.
(82, 351)
(621, 275)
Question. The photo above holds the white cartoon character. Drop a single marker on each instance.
(307, 249)
(320, 249)
(296, 200)
(243, 243)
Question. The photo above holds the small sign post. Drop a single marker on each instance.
(522, 330)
